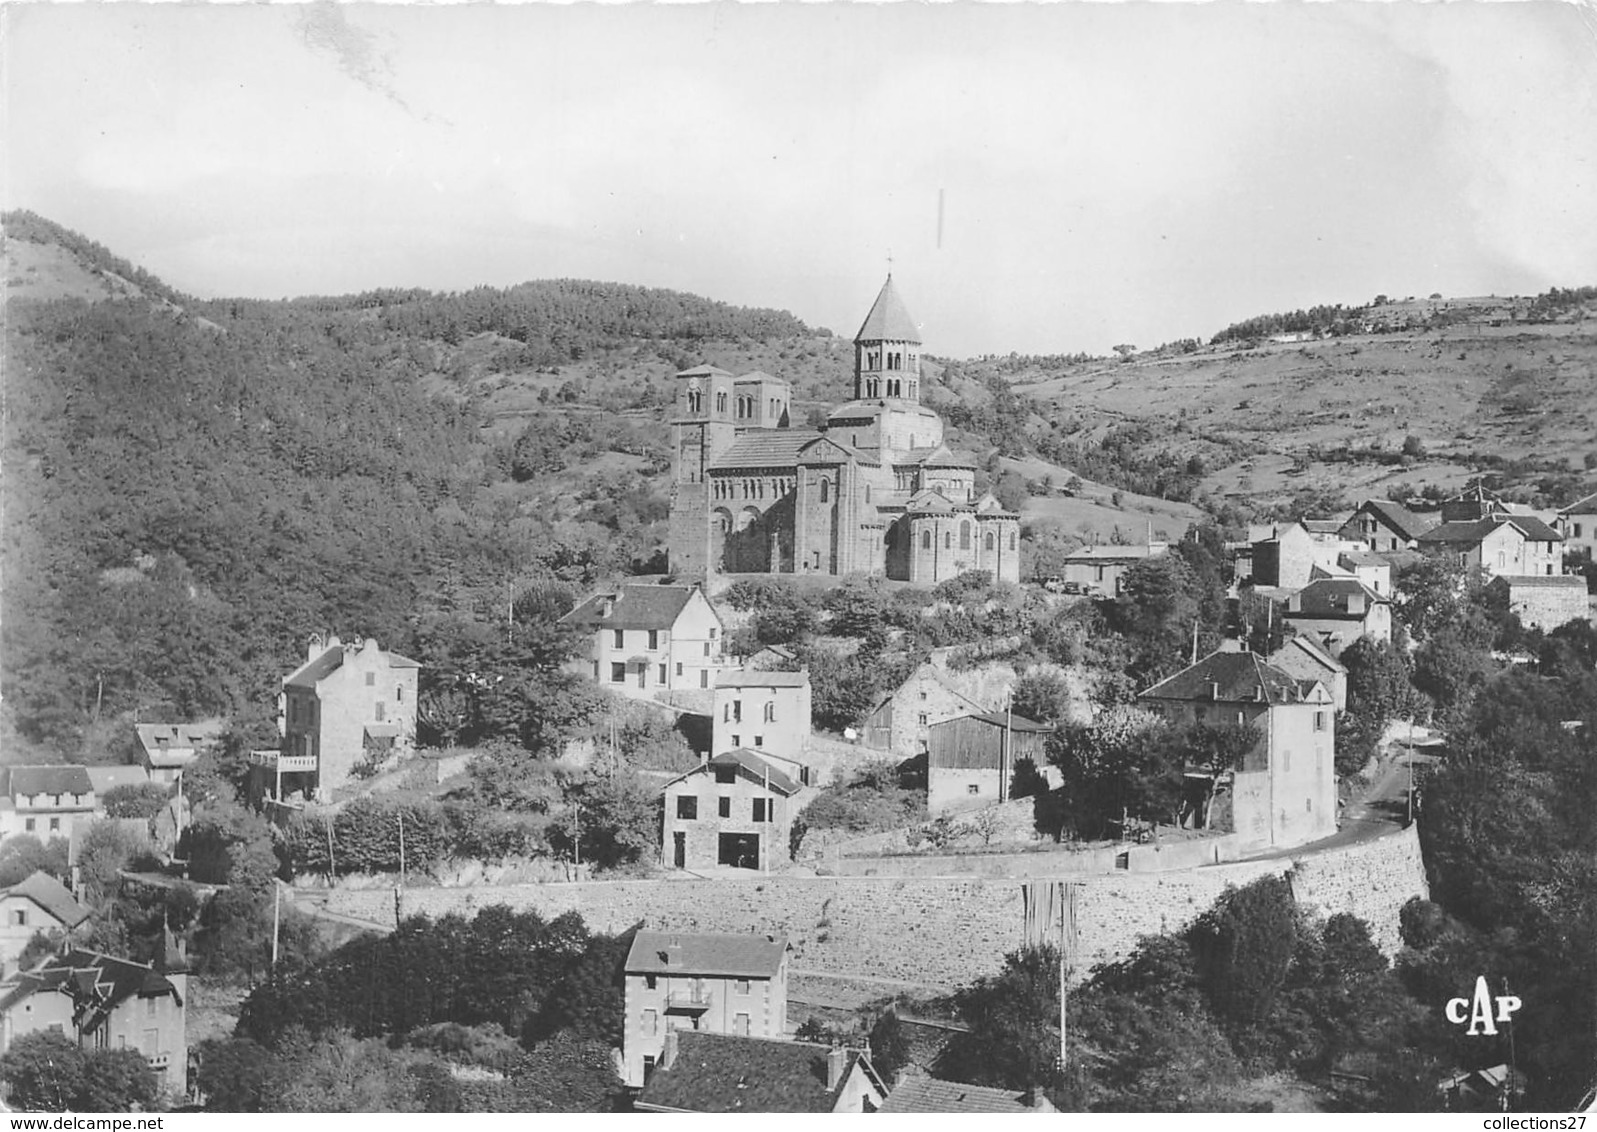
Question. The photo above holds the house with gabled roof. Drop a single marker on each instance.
(104, 1002)
(901, 721)
(1307, 659)
(1100, 569)
(39, 903)
(920, 1092)
(1385, 525)
(1498, 544)
(705, 982)
(166, 750)
(648, 642)
(46, 801)
(1283, 792)
(1578, 524)
(734, 810)
(705, 1072)
(348, 703)
(1338, 611)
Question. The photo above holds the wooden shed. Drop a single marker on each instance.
(971, 758)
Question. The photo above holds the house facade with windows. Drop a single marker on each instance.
(970, 759)
(1101, 568)
(40, 903)
(46, 801)
(902, 720)
(1284, 792)
(649, 640)
(735, 810)
(705, 982)
(1544, 602)
(166, 750)
(1386, 526)
(1499, 544)
(1338, 611)
(103, 1002)
(1578, 524)
(707, 1072)
(347, 703)
(874, 490)
(767, 712)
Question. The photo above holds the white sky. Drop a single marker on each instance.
(1109, 172)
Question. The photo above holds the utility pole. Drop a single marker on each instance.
(277, 906)
(1004, 753)
(401, 817)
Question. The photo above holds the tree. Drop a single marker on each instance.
(45, 1071)
(890, 1046)
(1125, 350)
(143, 800)
(22, 855)
(1244, 946)
(1042, 695)
(1013, 1020)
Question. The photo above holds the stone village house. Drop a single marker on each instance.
(736, 810)
(709, 982)
(1284, 793)
(647, 640)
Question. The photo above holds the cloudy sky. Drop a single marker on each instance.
(1045, 177)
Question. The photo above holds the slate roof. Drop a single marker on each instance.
(754, 767)
(1311, 648)
(1583, 506)
(110, 777)
(733, 954)
(760, 678)
(998, 719)
(1469, 532)
(765, 448)
(51, 895)
(920, 1093)
(723, 1073)
(49, 780)
(889, 319)
(97, 983)
(704, 371)
(633, 607)
(1329, 597)
(168, 744)
(1397, 517)
(1542, 581)
(313, 672)
(1241, 678)
(1112, 553)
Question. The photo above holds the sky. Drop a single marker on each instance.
(1040, 178)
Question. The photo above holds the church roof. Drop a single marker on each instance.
(814, 453)
(704, 371)
(888, 320)
(755, 375)
(928, 500)
(765, 448)
(937, 456)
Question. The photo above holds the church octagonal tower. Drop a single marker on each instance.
(886, 416)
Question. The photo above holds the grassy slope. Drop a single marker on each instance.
(1516, 392)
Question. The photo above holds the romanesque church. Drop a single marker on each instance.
(875, 491)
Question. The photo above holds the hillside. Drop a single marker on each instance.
(1267, 421)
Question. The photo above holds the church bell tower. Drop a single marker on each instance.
(887, 351)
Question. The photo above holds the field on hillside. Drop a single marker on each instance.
(1469, 394)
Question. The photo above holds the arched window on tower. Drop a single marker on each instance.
(926, 540)
(720, 402)
(948, 540)
(964, 534)
(867, 493)
(988, 541)
(826, 490)
(1013, 536)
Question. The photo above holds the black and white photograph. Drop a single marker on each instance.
(839, 557)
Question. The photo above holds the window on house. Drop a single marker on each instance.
(737, 711)
(377, 711)
(762, 810)
(973, 788)
(1308, 805)
(29, 825)
(654, 639)
(19, 918)
(651, 981)
(770, 713)
(743, 986)
(399, 693)
(662, 674)
(1319, 721)
(726, 774)
(679, 668)
(724, 806)
(759, 741)
(704, 676)
(55, 825)
(651, 1023)
(924, 719)
(618, 672)
(740, 1025)
(618, 638)
(737, 740)
(687, 807)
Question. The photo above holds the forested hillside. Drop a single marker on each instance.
(193, 487)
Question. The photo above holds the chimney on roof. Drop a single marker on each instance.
(836, 1062)
(369, 645)
(334, 643)
(1214, 689)
(315, 647)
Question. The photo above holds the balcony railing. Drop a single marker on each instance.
(689, 1000)
(284, 764)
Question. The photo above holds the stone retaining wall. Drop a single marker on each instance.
(940, 930)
